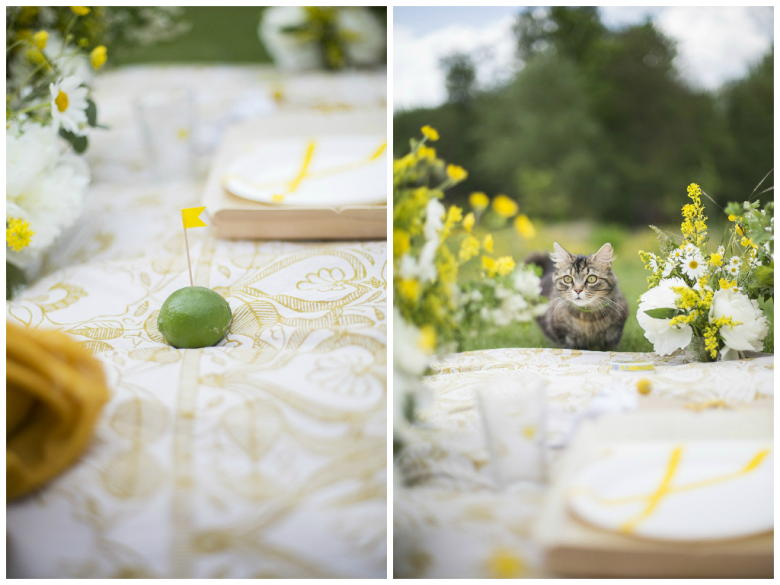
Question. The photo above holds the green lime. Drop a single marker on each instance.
(194, 317)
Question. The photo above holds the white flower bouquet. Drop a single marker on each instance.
(48, 115)
(706, 302)
(301, 38)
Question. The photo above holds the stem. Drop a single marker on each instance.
(30, 109)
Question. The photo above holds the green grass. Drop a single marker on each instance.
(585, 238)
(218, 34)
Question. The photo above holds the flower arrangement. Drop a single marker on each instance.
(434, 311)
(708, 299)
(47, 107)
(314, 37)
(52, 54)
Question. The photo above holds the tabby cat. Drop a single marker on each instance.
(587, 309)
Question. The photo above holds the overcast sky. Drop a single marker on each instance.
(715, 44)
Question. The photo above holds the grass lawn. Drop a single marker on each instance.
(585, 238)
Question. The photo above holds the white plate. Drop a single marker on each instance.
(341, 170)
(709, 494)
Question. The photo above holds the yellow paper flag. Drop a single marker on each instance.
(191, 218)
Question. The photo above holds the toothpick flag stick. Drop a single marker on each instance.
(190, 218)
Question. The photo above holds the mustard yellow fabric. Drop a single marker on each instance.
(55, 390)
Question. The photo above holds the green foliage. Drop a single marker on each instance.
(600, 124)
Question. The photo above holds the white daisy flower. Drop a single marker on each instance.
(668, 267)
(734, 261)
(732, 269)
(677, 255)
(653, 262)
(694, 266)
(721, 251)
(69, 105)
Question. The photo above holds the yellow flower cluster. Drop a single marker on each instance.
(694, 228)
(18, 234)
(711, 333)
(501, 266)
(656, 275)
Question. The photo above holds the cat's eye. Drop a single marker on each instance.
(568, 279)
(592, 279)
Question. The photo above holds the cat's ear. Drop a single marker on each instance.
(604, 255)
(561, 256)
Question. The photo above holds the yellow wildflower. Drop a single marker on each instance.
(401, 242)
(456, 173)
(427, 338)
(39, 39)
(468, 222)
(716, 260)
(488, 243)
(446, 266)
(644, 386)
(689, 211)
(732, 217)
(479, 201)
(524, 227)
(468, 249)
(505, 265)
(747, 242)
(504, 206)
(489, 265)
(98, 57)
(80, 10)
(711, 332)
(410, 288)
(727, 284)
(430, 133)
(505, 564)
(18, 234)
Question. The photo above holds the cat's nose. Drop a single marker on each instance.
(578, 290)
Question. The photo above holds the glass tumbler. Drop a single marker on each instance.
(514, 419)
(167, 121)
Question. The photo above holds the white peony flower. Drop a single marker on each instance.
(368, 36)
(289, 52)
(527, 283)
(694, 266)
(69, 105)
(42, 186)
(665, 339)
(754, 326)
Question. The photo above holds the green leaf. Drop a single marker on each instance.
(91, 113)
(79, 143)
(15, 280)
(663, 313)
(766, 275)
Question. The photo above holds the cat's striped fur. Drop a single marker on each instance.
(587, 309)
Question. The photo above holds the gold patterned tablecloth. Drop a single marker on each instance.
(450, 521)
(264, 456)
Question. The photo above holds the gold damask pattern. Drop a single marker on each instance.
(264, 456)
(449, 520)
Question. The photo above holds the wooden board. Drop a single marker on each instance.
(576, 549)
(235, 217)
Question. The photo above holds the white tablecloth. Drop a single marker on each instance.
(451, 521)
(264, 456)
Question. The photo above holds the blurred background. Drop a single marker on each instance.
(593, 119)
